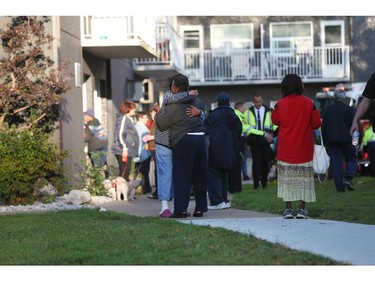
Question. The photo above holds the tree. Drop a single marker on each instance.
(31, 87)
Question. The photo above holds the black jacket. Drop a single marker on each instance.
(224, 130)
(336, 123)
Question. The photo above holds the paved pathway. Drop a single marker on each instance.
(341, 241)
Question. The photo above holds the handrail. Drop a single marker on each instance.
(262, 64)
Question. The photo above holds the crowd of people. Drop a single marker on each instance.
(203, 152)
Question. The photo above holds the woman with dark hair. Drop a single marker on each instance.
(126, 139)
(297, 118)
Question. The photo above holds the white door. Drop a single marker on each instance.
(192, 36)
(333, 43)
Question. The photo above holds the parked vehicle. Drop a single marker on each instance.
(353, 92)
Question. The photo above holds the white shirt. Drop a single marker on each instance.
(261, 110)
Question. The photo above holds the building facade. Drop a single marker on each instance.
(114, 58)
(244, 55)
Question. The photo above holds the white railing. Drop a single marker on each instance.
(168, 46)
(260, 64)
(116, 29)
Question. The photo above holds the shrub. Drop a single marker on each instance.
(28, 157)
(94, 181)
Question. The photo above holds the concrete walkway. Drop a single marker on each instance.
(346, 242)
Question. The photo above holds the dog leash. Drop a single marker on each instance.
(126, 166)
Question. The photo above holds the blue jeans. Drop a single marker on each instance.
(164, 172)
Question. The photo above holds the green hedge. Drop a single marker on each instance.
(28, 159)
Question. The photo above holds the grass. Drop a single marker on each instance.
(90, 237)
(350, 206)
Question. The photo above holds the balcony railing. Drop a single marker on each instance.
(261, 65)
(119, 36)
(168, 46)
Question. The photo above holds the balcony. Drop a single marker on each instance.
(118, 37)
(169, 61)
(257, 66)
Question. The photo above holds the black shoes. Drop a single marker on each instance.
(182, 215)
(153, 195)
(264, 185)
(198, 214)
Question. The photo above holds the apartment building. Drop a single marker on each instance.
(244, 55)
(132, 57)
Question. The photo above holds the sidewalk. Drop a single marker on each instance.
(341, 241)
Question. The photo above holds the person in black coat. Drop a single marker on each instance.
(336, 123)
(224, 129)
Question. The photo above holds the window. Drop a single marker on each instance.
(232, 36)
(191, 39)
(333, 39)
(289, 37)
(333, 33)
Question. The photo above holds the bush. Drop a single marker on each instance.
(94, 181)
(28, 157)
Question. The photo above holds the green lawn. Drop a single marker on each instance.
(90, 237)
(351, 206)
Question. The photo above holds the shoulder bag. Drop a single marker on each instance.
(321, 160)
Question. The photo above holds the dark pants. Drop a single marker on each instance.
(217, 185)
(261, 154)
(144, 169)
(124, 167)
(235, 176)
(99, 159)
(338, 153)
(190, 169)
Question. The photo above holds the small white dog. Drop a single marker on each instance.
(111, 191)
(122, 187)
(119, 186)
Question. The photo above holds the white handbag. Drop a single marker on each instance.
(321, 160)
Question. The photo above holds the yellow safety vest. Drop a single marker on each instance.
(245, 126)
(251, 120)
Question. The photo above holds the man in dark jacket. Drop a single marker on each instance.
(224, 129)
(337, 120)
(188, 143)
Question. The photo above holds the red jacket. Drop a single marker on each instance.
(296, 117)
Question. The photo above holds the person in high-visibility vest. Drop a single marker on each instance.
(258, 117)
(368, 141)
(239, 110)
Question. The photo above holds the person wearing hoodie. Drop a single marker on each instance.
(126, 140)
(223, 128)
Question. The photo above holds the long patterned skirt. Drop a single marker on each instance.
(295, 181)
